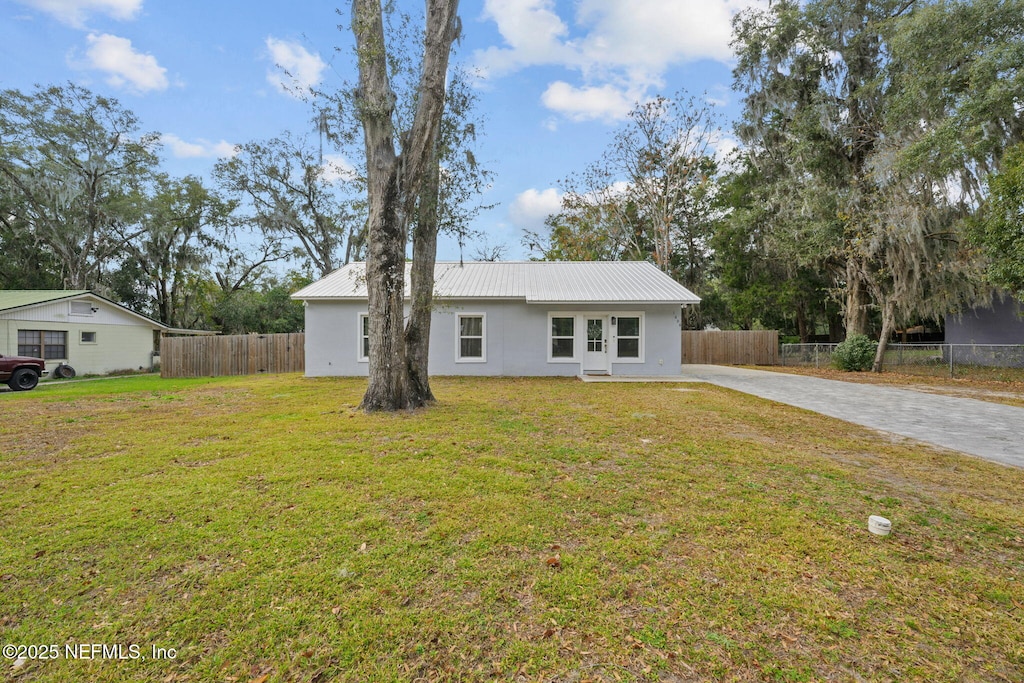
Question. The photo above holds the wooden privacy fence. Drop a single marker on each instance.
(745, 347)
(240, 354)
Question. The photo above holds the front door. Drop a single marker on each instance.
(596, 357)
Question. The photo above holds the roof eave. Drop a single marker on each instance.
(437, 297)
(607, 302)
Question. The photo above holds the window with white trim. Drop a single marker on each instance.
(563, 337)
(87, 338)
(627, 344)
(364, 337)
(471, 338)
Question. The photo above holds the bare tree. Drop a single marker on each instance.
(490, 252)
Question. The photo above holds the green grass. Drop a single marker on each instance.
(521, 529)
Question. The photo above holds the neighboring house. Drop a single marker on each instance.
(91, 334)
(1000, 323)
(514, 318)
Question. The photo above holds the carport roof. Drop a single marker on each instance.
(539, 282)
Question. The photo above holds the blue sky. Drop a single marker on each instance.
(556, 77)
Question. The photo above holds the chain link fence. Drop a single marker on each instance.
(982, 361)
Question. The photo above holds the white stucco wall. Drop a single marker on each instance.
(516, 338)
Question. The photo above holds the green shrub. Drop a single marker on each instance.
(856, 354)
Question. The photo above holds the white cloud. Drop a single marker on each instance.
(614, 45)
(718, 96)
(124, 66)
(296, 70)
(606, 102)
(74, 12)
(646, 36)
(530, 208)
(532, 31)
(199, 149)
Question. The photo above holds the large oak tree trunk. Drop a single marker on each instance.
(385, 260)
(385, 283)
(393, 186)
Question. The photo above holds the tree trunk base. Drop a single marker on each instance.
(377, 404)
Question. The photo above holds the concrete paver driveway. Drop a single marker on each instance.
(987, 430)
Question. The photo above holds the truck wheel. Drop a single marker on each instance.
(23, 379)
(64, 371)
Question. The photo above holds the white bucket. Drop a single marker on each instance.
(879, 526)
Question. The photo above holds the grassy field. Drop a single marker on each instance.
(535, 530)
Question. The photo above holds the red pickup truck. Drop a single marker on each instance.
(21, 373)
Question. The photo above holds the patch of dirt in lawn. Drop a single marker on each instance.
(44, 430)
(929, 476)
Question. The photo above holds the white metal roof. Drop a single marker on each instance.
(542, 282)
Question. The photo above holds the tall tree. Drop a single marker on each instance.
(872, 139)
(649, 196)
(999, 231)
(295, 194)
(812, 116)
(952, 113)
(395, 180)
(449, 198)
(447, 203)
(77, 163)
(183, 229)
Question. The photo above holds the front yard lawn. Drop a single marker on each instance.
(522, 529)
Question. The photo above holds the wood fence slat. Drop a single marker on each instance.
(241, 354)
(730, 347)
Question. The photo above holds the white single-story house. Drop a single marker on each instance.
(88, 332)
(530, 318)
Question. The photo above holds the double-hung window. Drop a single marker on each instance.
(628, 337)
(563, 337)
(364, 337)
(472, 347)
